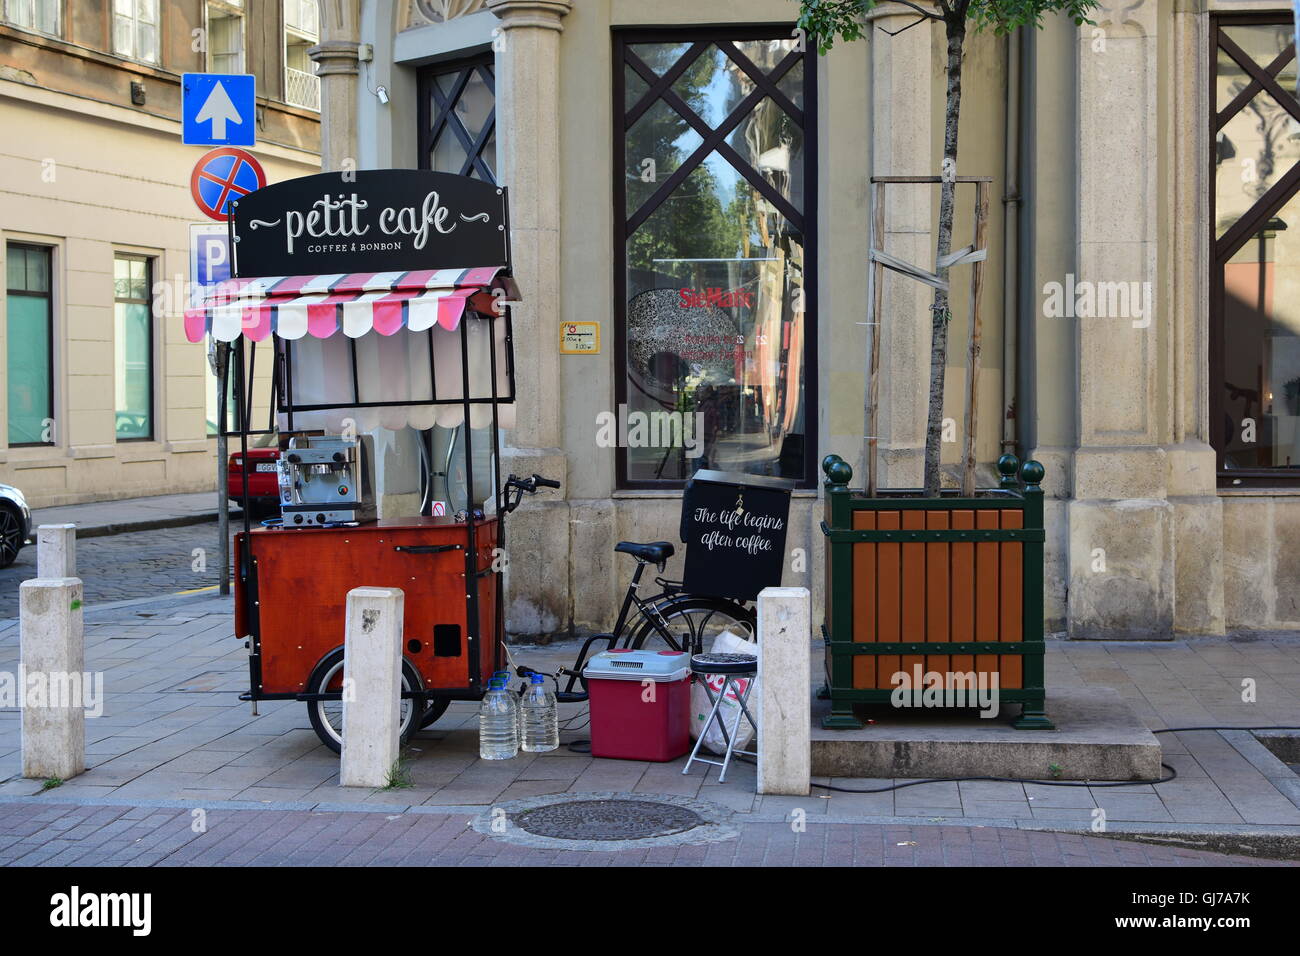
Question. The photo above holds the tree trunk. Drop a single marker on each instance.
(939, 315)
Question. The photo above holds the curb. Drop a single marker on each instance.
(151, 524)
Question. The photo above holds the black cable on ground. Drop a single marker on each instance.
(578, 746)
(1050, 783)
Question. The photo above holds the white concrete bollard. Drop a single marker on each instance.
(56, 551)
(784, 689)
(51, 671)
(372, 686)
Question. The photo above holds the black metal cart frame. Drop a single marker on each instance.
(243, 366)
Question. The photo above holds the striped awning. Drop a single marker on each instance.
(292, 307)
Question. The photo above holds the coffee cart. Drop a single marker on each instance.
(384, 298)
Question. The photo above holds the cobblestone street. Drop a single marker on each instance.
(123, 566)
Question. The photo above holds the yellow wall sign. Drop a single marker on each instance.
(579, 338)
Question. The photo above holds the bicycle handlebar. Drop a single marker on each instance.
(521, 485)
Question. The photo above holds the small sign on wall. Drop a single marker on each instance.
(579, 338)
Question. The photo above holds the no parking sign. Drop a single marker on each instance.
(223, 175)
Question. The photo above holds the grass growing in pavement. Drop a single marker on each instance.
(399, 775)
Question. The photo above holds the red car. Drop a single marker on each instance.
(263, 487)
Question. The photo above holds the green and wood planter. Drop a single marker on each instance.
(953, 585)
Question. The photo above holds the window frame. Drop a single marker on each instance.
(49, 251)
(1286, 186)
(622, 37)
(298, 33)
(134, 55)
(149, 263)
(482, 63)
(58, 17)
(233, 10)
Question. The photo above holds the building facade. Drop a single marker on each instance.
(692, 179)
(104, 398)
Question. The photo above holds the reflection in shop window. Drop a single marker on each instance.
(715, 258)
(1256, 304)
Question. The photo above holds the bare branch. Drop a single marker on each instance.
(928, 14)
(916, 22)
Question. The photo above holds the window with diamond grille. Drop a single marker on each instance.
(1255, 263)
(458, 118)
(714, 212)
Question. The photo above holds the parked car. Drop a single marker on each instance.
(263, 488)
(15, 524)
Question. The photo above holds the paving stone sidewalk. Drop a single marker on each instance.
(174, 731)
(39, 834)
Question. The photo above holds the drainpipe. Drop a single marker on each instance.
(1011, 245)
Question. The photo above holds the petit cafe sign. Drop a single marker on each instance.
(389, 220)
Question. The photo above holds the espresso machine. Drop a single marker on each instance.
(326, 480)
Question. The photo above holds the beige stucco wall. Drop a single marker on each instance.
(1113, 185)
(563, 572)
(600, 514)
(120, 184)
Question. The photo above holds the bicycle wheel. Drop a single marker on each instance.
(695, 622)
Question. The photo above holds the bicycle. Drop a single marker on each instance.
(683, 621)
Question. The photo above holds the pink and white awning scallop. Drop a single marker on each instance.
(291, 307)
(388, 380)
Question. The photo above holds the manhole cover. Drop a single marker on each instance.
(607, 820)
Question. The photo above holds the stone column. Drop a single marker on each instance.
(56, 551)
(784, 689)
(902, 145)
(1143, 517)
(52, 664)
(1199, 571)
(372, 686)
(528, 155)
(336, 59)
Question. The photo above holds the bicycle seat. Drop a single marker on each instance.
(656, 552)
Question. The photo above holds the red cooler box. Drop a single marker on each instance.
(633, 721)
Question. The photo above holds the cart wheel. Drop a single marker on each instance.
(327, 715)
(434, 708)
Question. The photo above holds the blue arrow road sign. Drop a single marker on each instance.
(219, 109)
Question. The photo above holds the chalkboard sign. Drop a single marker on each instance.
(733, 526)
(370, 220)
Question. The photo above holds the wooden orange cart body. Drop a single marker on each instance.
(293, 609)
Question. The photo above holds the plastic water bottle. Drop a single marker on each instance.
(498, 730)
(539, 722)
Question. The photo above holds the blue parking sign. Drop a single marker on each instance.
(218, 109)
(209, 259)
